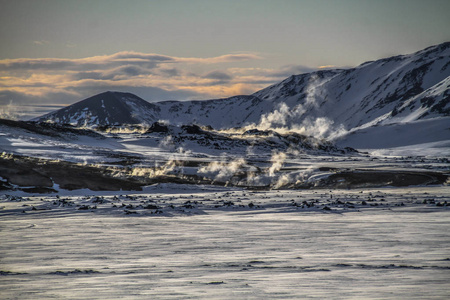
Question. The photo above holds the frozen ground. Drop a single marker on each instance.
(271, 224)
(181, 242)
(253, 159)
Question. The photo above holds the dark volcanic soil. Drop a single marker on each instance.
(371, 178)
(36, 175)
(50, 129)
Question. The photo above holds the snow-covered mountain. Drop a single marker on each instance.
(342, 103)
(107, 108)
(400, 88)
(113, 108)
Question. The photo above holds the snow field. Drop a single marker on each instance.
(216, 251)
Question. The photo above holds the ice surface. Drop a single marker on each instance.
(54, 248)
(173, 241)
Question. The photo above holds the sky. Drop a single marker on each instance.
(57, 52)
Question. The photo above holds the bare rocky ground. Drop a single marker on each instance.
(207, 198)
(35, 175)
(39, 176)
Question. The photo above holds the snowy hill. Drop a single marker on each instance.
(333, 104)
(104, 109)
(219, 113)
(396, 90)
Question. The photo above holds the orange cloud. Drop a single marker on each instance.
(130, 71)
(327, 67)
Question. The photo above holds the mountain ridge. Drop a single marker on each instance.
(324, 103)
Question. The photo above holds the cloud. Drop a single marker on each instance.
(41, 42)
(29, 105)
(84, 64)
(90, 75)
(288, 70)
(219, 75)
(21, 98)
(327, 67)
(170, 72)
(44, 77)
(154, 77)
(114, 60)
(221, 59)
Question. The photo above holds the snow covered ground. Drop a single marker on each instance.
(171, 210)
(423, 135)
(203, 242)
(269, 232)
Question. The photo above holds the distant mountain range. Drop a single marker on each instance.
(377, 98)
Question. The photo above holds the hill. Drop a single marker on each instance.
(346, 105)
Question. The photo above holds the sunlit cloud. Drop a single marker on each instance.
(117, 59)
(327, 67)
(41, 76)
(221, 59)
(154, 77)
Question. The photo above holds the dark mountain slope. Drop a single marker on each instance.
(104, 109)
